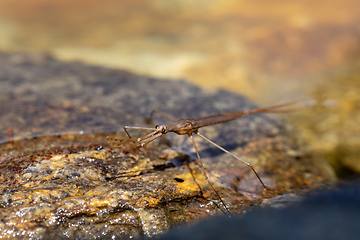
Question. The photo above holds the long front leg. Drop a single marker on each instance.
(142, 128)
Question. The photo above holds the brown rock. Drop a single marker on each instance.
(60, 178)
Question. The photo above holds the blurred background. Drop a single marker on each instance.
(270, 51)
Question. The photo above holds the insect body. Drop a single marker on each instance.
(190, 127)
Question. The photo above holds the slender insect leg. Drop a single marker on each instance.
(125, 129)
(204, 171)
(283, 108)
(149, 119)
(142, 128)
(223, 149)
(201, 190)
(193, 177)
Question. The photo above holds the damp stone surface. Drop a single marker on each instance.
(60, 177)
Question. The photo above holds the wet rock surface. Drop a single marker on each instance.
(60, 178)
(314, 218)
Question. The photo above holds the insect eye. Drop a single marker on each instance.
(163, 130)
(161, 127)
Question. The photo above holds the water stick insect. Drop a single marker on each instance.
(191, 127)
